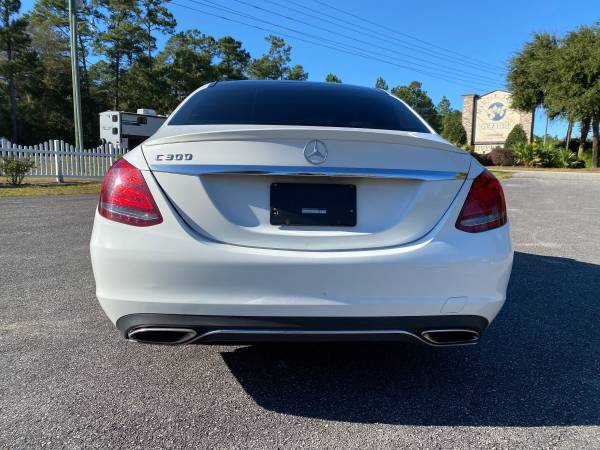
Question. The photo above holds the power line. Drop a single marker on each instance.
(378, 35)
(348, 48)
(320, 44)
(436, 65)
(466, 57)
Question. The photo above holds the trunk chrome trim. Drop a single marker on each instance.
(301, 171)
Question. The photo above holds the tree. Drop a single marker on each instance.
(16, 53)
(575, 90)
(584, 130)
(452, 128)
(121, 41)
(52, 103)
(296, 73)
(53, 93)
(155, 17)
(186, 63)
(234, 60)
(530, 75)
(381, 84)
(418, 99)
(52, 16)
(332, 78)
(443, 107)
(516, 136)
(595, 139)
(274, 65)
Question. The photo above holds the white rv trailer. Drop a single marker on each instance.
(127, 130)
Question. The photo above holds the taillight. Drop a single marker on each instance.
(484, 208)
(125, 197)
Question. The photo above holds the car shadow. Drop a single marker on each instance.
(537, 365)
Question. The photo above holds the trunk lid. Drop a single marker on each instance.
(219, 179)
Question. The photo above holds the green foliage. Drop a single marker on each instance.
(502, 157)
(15, 169)
(17, 61)
(452, 128)
(381, 84)
(121, 41)
(443, 107)
(233, 60)
(296, 73)
(272, 65)
(566, 158)
(562, 76)
(154, 16)
(530, 72)
(575, 88)
(418, 99)
(332, 78)
(516, 136)
(185, 64)
(525, 155)
(548, 155)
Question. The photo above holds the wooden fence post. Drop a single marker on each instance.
(57, 160)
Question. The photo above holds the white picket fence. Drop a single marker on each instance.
(58, 159)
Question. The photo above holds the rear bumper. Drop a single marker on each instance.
(141, 270)
(242, 330)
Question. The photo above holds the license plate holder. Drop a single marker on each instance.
(312, 204)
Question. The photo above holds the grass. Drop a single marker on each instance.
(501, 175)
(43, 187)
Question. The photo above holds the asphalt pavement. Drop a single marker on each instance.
(68, 380)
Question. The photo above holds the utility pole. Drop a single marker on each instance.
(75, 75)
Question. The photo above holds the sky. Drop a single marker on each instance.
(462, 45)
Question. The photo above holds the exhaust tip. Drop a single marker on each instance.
(451, 337)
(166, 336)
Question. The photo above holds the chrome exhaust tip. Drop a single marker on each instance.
(164, 336)
(451, 337)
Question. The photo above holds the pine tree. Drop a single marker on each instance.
(16, 54)
(121, 42)
(418, 99)
(381, 84)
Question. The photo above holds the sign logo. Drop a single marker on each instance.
(496, 111)
(315, 152)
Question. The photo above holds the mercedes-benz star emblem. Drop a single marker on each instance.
(315, 152)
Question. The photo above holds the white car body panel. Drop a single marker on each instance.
(169, 268)
(235, 209)
(216, 253)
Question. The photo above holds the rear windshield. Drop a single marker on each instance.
(296, 103)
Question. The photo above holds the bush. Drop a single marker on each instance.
(502, 157)
(484, 160)
(515, 137)
(526, 155)
(549, 155)
(566, 158)
(15, 169)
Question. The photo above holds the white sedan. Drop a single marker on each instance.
(299, 211)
